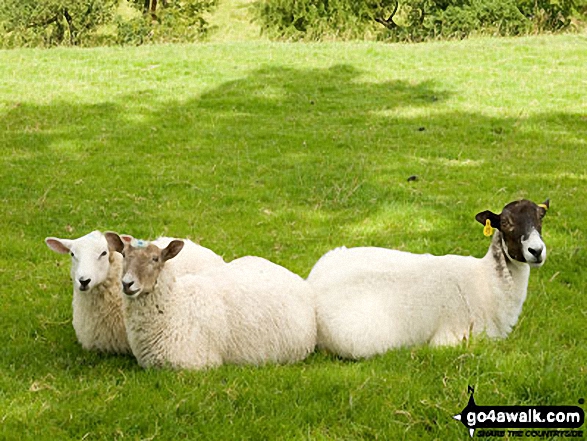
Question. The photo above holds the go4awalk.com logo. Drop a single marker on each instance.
(522, 421)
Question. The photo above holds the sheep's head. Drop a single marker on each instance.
(89, 258)
(520, 223)
(143, 264)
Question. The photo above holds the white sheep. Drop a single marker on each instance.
(249, 311)
(370, 300)
(96, 272)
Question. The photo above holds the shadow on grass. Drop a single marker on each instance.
(270, 102)
(320, 151)
(284, 163)
(252, 153)
(279, 133)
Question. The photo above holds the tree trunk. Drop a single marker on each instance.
(72, 36)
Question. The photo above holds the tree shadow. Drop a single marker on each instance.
(285, 163)
(274, 124)
(320, 147)
(267, 99)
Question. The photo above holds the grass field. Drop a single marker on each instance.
(232, 20)
(286, 151)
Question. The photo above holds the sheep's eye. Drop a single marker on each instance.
(506, 226)
(156, 259)
(103, 253)
(72, 255)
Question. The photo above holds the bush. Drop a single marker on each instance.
(549, 15)
(321, 19)
(52, 22)
(44, 23)
(416, 20)
(458, 19)
(172, 22)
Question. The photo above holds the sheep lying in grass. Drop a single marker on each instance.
(96, 271)
(370, 300)
(249, 311)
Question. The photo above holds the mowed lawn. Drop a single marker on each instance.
(286, 151)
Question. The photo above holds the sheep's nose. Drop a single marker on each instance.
(84, 283)
(536, 252)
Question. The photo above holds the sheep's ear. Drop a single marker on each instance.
(172, 250)
(126, 238)
(114, 241)
(61, 246)
(544, 207)
(493, 218)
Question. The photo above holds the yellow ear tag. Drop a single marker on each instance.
(543, 206)
(488, 229)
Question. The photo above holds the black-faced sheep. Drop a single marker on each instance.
(370, 300)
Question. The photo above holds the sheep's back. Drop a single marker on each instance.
(192, 259)
(270, 312)
(369, 300)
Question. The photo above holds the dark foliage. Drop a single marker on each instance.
(412, 20)
(52, 22)
(166, 21)
(45, 23)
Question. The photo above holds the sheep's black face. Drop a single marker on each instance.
(520, 223)
(142, 266)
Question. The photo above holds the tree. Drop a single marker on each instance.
(166, 21)
(148, 6)
(52, 22)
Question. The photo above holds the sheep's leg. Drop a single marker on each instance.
(197, 361)
(447, 337)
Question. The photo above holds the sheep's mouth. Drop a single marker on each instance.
(132, 293)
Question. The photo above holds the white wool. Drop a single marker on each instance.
(248, 311)
(193, 258)
(370, 300)
(97, 311)
(270, 312)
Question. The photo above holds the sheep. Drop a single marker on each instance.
(96, 272)
(97, 289)
(249, 311)
(370, 300)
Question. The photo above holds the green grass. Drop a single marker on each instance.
(286, 151)
(232, 20)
